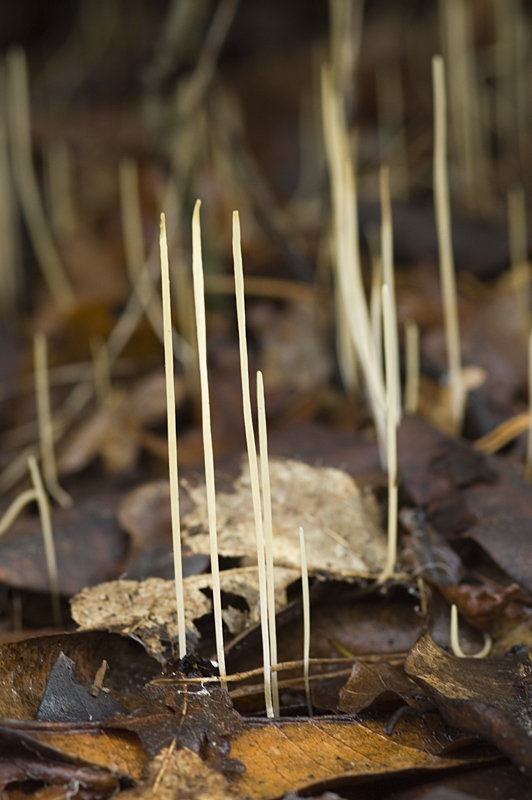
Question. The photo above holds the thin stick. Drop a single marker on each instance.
(172, 439)
(199, 302)
(48, 537)
(306, 618)
(26, 182)
(387, 266)
(390, 356)
(252, 457)
(368, 658)
(44, 416)
(528, 467)
(455, 641)
(268, 535)
(412, 367)
(443, 223)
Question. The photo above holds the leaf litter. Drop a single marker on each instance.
(465, 518)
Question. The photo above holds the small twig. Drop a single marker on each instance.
(97, 684)
(367, 658)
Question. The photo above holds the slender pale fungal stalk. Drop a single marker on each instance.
(466, 128)
(44, 417)
(14, 509)
(48, 537)
(18, 105)
(172, 439)
(443, 224)
(388, 276)
(199, 302)
(455, 641)
(375, 300)
(252, 457)
(528, 467)
(390, 360)
(268, 535)
(306, 619)
(349, 281)
(412, 367)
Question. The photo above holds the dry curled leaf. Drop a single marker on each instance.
(342, 535)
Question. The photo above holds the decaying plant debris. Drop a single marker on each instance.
(316, 125)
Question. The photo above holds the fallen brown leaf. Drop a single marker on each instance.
(370, 683)
(88, 542)
(484, 498)
(294, 756)
(489, 697)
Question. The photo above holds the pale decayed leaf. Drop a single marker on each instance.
(342, 534)
(146, 609)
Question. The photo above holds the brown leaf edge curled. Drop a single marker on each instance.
(491, 697)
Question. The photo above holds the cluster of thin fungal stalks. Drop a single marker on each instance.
(367, 333)
(383, 386)
(259, 480)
